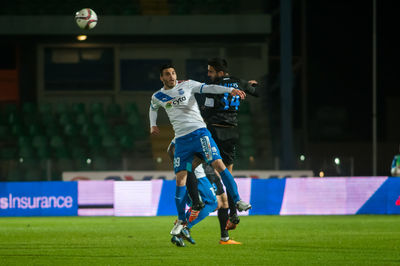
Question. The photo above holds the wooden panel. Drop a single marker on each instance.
(9, 86)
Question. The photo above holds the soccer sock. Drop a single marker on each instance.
(230, 184)
(180, 201)
(232, 205)
(223, 219)
(191, 185)
(209, 208)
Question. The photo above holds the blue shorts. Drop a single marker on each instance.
(206, 190)
(199, 142)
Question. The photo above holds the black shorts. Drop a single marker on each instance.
(226, 139)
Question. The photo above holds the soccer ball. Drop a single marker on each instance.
(86, 18)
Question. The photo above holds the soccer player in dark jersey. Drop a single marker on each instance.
(219, 111)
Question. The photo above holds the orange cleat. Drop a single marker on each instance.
(193, 215)
(230, 225)
(230, 242)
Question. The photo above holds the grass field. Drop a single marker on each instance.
(267, 240)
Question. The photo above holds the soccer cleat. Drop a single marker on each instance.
(176, 230)
(185, 233)
(230, 242)
(242, 206)
(195, 210)
(178, 241)
(232, 222)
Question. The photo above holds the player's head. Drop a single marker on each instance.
(168, 76)
(217, 68)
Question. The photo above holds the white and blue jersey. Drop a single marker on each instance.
(191, 134)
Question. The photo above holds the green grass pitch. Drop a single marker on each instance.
(267, 240)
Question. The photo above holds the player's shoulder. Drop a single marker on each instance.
(161, 95)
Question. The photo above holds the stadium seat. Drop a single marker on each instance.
(131, 108)
(81, 119)
(246, 141)
(126, 142)
(28, 108)
(113, 110)
(83, 164)
(109, 141)
(8, 153)
(35, 129)
(39, 141)
(43, 152)
(47, 119)
(79, 152)
(71, 130)
(89, 130)
(15, 174)
(78, 108)
(14, 119)
(104, 130)
(26, 152)
(61, 108)
(64, 119)
(97, 108)
(134, 120)
(100, 163)
(24, 141)
(98, 119)
(52, 130)
(57, 142)
(45, 108)
(11, 108)
(4, 132)
(18, 130)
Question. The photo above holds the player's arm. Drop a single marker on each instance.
(216, 89)
(153, 113)
(249, 87)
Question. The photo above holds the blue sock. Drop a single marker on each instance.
(180, 202)
(209, 208)
(230, 184)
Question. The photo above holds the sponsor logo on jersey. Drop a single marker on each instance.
(181, 92)
(179, 100)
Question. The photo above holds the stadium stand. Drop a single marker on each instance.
(39, 138)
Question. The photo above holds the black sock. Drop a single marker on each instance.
(191, 185)
(232, 205)
(223, 219)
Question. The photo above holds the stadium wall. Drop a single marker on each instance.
(287, 196)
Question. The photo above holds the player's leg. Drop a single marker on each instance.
(180, 201)
(211, 154)
(208, 195)
(234, 219)
(190, 182)
(230, 184)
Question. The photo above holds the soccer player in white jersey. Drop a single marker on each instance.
(191, 134)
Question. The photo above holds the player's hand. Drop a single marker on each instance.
(239, 93)
(154, 131)
(253, 83)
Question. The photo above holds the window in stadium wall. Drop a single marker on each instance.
(83, 69)
(141, 74)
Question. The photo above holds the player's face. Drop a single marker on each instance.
(213, 74)
(168, 78)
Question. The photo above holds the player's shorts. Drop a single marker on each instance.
(206, 191)
(226, 139)
(198, 142)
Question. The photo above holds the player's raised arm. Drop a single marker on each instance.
(216, 89)
(153, 112)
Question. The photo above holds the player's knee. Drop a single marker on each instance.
(181, 178)
(218, 165)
